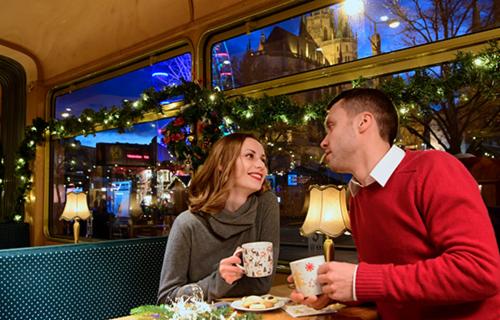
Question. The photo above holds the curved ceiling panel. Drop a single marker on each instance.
(67, 34)
(71, 38)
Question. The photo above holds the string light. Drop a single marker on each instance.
(479, 62)
(120, 117)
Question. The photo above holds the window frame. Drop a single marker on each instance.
(391, 62)
(169, 110)
(398, 61)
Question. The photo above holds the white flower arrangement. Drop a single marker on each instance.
(190, 309)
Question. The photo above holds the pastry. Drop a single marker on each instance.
(269, 300)
(257, 306)
(248, 301)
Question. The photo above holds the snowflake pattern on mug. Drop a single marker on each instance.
(309, 266)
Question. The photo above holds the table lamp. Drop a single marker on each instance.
(326, 214)
(76, 208)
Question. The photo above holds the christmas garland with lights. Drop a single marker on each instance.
(190, 310)
(204, 118)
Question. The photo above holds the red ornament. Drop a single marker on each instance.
(178, 122)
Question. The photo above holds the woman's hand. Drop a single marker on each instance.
(228, 269)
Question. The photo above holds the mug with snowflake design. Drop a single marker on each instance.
(305, 273)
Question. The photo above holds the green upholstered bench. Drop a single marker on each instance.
(83, 281)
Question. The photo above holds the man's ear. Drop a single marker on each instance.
(365, 121)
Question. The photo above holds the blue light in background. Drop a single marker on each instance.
(128, 86)
(141, 133)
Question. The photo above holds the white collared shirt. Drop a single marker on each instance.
(381, 173)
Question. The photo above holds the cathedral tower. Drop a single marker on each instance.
(335, 39)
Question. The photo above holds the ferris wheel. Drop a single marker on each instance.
(222, 70)
(171, 72)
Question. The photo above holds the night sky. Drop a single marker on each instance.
(131, 85)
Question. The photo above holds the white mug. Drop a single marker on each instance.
(257, 258)
(305, 273)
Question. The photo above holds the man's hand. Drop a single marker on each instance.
(336, 280)
(316, 302)
(228, 269)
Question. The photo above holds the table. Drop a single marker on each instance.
(347, 313)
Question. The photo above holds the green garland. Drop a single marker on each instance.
(164, 312)
(203, 119)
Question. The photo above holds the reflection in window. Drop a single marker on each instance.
(334, 35)
(132, 188)
(128, 86)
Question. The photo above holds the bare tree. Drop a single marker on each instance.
(454, 102)
(455, 107)
(426, 21)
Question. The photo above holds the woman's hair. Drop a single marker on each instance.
(209, 187)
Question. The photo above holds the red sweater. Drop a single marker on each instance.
(426, 246)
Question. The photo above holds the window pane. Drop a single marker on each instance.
(424, 98)
(132, 189)
(336, 35)
(127, 86)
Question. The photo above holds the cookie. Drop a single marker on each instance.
(248, 301)
(269, 301)
(257, 306)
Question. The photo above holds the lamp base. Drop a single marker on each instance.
(328, 249)
(76, 229)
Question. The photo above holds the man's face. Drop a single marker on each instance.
(340, 141)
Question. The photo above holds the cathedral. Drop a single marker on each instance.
(324, 38)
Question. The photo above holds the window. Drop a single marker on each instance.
(313, 53)
(334, 35)
(126, 86)
(132, 188)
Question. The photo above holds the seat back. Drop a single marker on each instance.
(83, 281)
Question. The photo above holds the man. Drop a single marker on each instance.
(425, 243)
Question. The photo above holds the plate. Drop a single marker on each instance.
(238, 305)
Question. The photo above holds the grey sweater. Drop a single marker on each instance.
(197, 243)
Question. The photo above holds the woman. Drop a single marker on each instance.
(229, 204)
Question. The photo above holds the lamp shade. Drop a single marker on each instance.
(327, 212)
(76, 207)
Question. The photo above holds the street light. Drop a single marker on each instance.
(375, 37)
(353, 7)
(357, 8)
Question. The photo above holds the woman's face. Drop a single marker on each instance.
(250, 168)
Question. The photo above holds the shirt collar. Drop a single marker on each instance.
(382, 171)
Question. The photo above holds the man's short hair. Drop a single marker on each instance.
(374, 101)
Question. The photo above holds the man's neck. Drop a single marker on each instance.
(370, 156)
